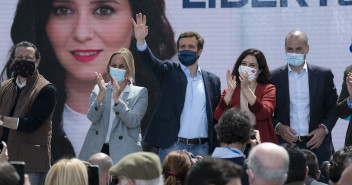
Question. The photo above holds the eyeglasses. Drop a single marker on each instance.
(114, 180)
(27, 57)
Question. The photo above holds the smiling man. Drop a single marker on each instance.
(27, 102)
(183, 118)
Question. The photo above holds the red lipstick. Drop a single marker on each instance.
(85, 55)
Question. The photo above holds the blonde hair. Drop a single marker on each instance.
(127, 55)
(67, 172)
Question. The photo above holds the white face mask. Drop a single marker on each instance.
(251, 72)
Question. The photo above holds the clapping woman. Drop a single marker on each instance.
(115, 110)
(249, 89)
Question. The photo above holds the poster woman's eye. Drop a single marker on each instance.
(104, 11)
(62, 11)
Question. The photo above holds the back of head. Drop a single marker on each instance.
(67, 172)
(298, 164)
(268, 162)
(8, 174)
(138, 165)
(175, 167)
(213, 171)
(233, 127)
(340, 160)
(346, 176)
(102, 160)
(312, 162)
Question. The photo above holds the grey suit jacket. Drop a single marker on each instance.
(125, 136)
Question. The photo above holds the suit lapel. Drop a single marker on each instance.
(285, 91)
(183, 86)
(207, 86)
(313, 87)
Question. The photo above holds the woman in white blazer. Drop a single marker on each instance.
(115, 110)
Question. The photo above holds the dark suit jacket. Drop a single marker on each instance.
(323, 96)
(165, 123)
(342, 109)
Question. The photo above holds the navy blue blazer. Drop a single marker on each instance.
(165, 123)
(323, 97)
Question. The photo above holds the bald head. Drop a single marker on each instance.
(346, 176)
(297, 34)
(102, 160)
(269, 162)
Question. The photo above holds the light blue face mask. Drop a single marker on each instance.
(295, 59)
(118, 74)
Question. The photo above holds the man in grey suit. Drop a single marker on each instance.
(305, 100)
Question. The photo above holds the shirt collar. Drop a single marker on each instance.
(223, 152)
(19, 84)
(304, 67)
(187, 71)
(127, 87)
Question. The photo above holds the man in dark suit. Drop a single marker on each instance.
(183, 118)
(344, 104)
(305, 100)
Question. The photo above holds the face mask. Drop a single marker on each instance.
(187, 57)
(118, 74)
(351, 48)
(251, 72)
(295, 59)
(24, 68)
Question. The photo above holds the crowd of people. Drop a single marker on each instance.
(267, 127)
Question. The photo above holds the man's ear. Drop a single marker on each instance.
(199, 52)
(318, 175)
(307, 170)
(130, 182)
(37, 62)
(250, 176)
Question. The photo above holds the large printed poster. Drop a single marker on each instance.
(228, 27)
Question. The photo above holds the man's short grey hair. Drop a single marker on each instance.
(261, 171)
(156, 181)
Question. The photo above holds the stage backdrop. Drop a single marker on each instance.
(229, 27)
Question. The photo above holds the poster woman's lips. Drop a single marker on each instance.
(86, 55)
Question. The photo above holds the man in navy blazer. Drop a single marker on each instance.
(305, 100)
(183, 118)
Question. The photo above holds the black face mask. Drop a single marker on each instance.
(24, 68)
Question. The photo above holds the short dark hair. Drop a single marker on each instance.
(234, 126)
(264, 77)
(8, 174)
(213, 171)
(340, 160)
(25, 44)
(200, 40)
(298, 165)
(312, 163)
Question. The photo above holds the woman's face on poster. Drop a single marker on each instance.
(84, 33)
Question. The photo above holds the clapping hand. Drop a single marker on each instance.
(349, 84)
(140, 28)
(231, 81)
(99, 80)
(244, 79)
(116, 91)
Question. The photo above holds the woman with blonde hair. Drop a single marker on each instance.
(67, 172)
(115, 110)
(175, 167)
